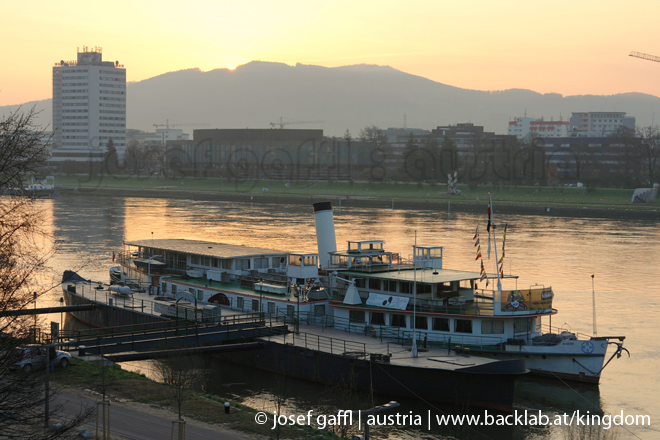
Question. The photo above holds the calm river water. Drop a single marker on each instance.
(561, 252)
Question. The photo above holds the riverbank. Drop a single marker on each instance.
(548, 201)
(144, 395)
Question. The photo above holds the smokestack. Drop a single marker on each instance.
(325, 232)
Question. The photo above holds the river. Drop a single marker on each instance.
(622, 255)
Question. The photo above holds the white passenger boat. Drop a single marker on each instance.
(366, 289)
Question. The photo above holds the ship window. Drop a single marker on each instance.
(339, 260)
(311, 261)
(405, 287)
(377, 318)
(356, 316)
(421, 322)
(492, 327)
(436, 253)
(390, 285)
(398, 320)
(289, 311)
(359, 283)
(319, 310)
(164, 287)
(374, 284)
(243, 264)
(271, 308)
(441, 324)
(353, 246)
(173, 289)
(200, 295)
(295, 260)
(255, 305)
(424, 288)
(216, 262)
(520, 326)
(463, 326)
(194, 259)
(261, 263)
(226, 264)
(206, 261)
(239, 302)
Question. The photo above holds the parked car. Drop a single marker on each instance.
(34, 356)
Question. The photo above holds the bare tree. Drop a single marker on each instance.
(648, 147)
(182, 373)
(24, 249)
(374, 134)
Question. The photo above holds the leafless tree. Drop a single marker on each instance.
(182, 372)
(648, 147)
(374, 134)
(24, 249)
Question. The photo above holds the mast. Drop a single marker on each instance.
(413, 350)
(497, 262)
(593, 298)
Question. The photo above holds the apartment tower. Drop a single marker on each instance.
(89, 107)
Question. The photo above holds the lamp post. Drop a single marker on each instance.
(61, 313)
(35, 316)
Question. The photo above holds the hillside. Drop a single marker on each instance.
(257, 93)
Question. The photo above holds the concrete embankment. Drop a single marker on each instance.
(458, 205)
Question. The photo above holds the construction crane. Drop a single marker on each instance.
(282, 123)
(645, 56)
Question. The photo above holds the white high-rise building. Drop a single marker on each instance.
(89, 107)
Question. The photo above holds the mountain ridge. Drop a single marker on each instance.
(344, 97)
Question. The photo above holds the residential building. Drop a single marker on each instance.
(89, 107)
(577, 158)
(466, 136)
(522, 127)
(160, 137)
(599, 124)
(399, 136)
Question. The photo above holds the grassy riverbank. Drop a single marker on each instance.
(125, 385)
(510, 195)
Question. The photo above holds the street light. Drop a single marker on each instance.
(61, 313)
(35, 316)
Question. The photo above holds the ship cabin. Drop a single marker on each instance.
(365, 256)
(420, 295)
(243, 278)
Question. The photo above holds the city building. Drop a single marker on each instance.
(466, 136)
(399, 136)
(599, 124)
(580, 158)
(89, 107)
(160, 137)
(269, 154)
(522, 127)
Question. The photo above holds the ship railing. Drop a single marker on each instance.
(546, 328)
(311, 341)
(175, 324)
(455, 305)
(404, 336)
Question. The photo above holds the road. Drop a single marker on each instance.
(134, 421)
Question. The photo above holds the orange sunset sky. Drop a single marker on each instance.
(567, 47)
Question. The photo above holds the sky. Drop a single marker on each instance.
(569, 47)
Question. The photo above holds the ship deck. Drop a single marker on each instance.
(330, 340)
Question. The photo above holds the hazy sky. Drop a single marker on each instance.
(568, 47)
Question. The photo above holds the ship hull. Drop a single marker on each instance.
(487, 386)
